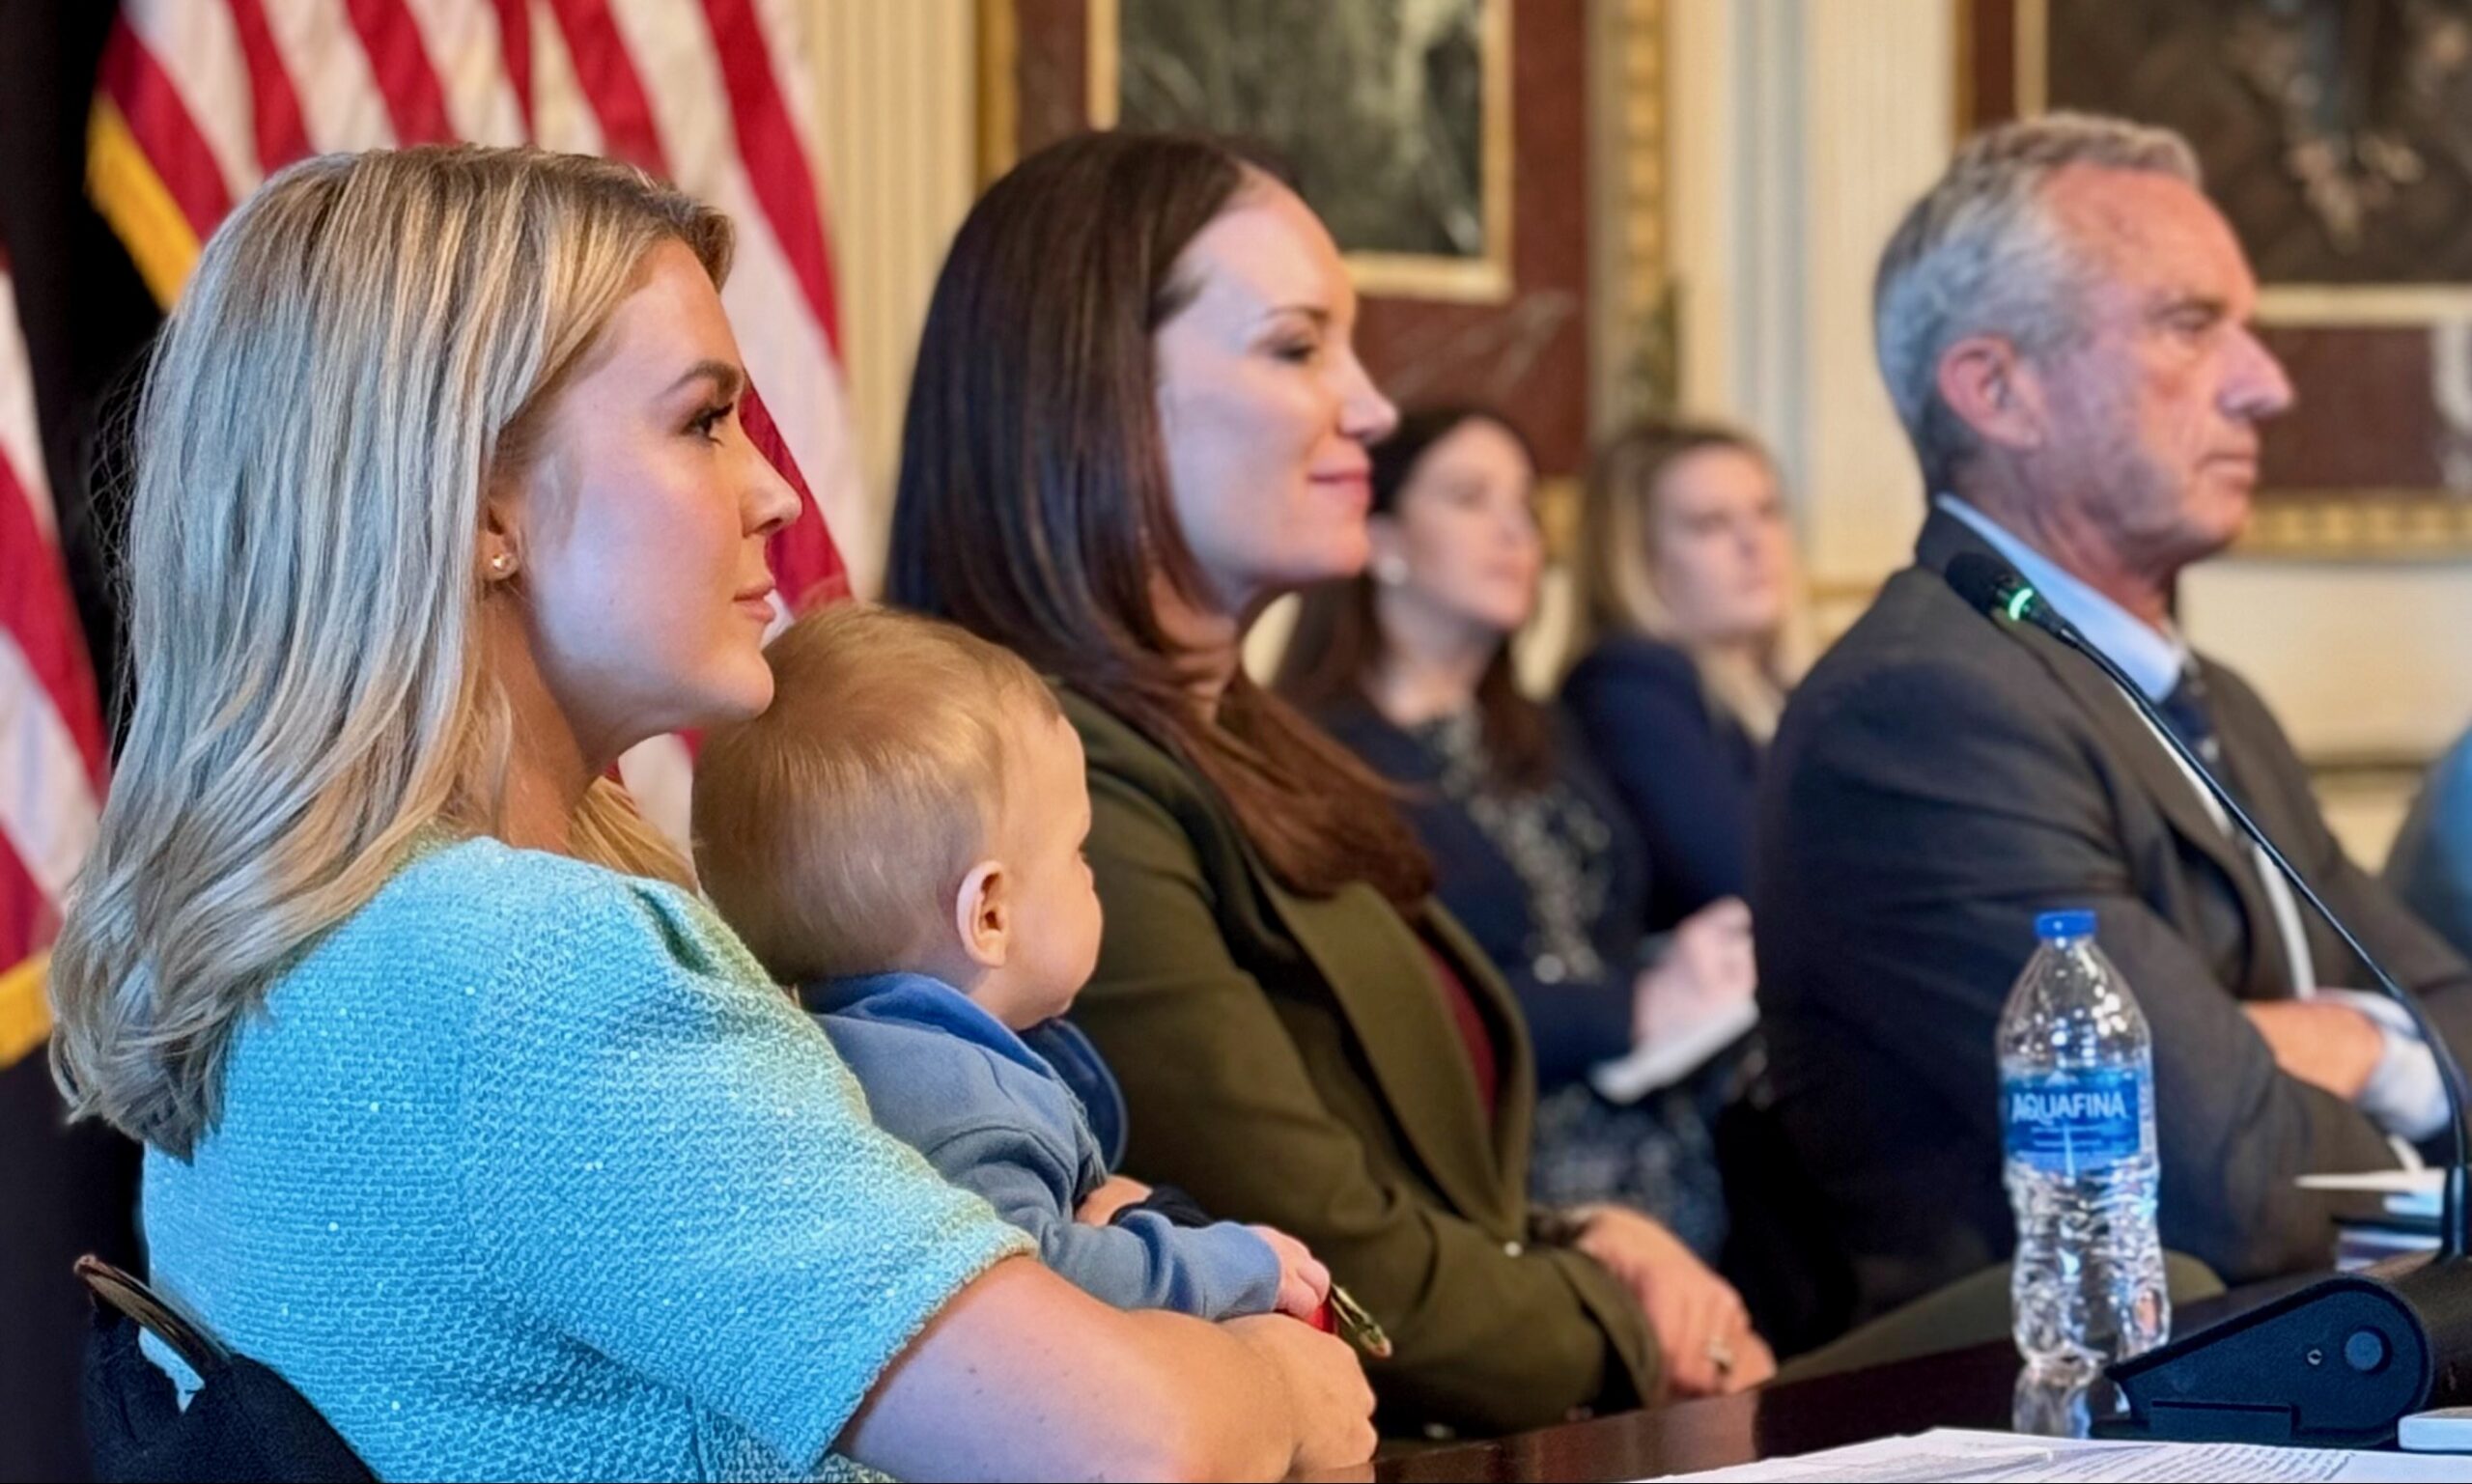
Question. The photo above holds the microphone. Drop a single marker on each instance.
(2342, 1361)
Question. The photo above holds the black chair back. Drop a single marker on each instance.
(245, 1422)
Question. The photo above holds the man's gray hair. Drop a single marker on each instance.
(1982, 254)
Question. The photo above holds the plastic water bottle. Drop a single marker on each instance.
(2077, 1114)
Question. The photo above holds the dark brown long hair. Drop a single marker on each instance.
(1033, 504)
(1337, 644)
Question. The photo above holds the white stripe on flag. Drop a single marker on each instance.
(672, 50)
(562, 117)
(48, 808)
(784, 24)
(341, 105)
(20, 443)
(462, 39)
(198, 49)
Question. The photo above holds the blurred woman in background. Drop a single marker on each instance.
(1691, 639)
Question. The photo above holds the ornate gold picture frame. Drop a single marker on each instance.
(1429, 135)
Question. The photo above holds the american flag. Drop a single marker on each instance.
(51, 730)
(198, 100)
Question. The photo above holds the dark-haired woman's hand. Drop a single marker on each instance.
(1702, 1329)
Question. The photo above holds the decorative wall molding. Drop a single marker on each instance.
(1635, 352)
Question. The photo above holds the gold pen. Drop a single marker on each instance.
(1356, 1326)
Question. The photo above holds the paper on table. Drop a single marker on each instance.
(1669, 1060)
(2407, 1191)
(1948, 1454)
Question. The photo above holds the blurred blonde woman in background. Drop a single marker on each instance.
(463, 1111)
(1691, 636)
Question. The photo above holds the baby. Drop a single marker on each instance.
(901, 836)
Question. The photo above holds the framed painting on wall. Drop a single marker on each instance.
(1510, 328)
(2336, 137)
(1394, 115)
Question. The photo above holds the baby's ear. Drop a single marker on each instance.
(983, 915)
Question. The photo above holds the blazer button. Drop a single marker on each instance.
(1512, 1249)
(1549, 968)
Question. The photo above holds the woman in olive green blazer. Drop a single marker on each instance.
(1287, 1059)
(1136, 418)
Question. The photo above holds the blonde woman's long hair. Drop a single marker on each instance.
(1618, 546)
(368, 344)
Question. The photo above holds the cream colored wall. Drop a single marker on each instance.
(1800, 129)
(2367, 664)
(896, 87)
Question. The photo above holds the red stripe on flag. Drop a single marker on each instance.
(401, 64)
(36, 614)
(161, 124)
(514, 49)
(777, 165)
(274, 108)
(805, 561)
(29, 920)
(607, 75)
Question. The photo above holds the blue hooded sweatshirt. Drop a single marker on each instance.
(997, 1117)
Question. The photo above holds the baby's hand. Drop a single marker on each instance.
(1111, 1196)
(1303, 1283)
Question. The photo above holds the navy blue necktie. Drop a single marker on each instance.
(2190, 716)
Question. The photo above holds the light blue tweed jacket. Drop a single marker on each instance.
(526, 1171)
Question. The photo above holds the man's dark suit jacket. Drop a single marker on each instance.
(1936, 782)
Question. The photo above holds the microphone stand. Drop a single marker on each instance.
(2345, 1359)
(2452, 1208)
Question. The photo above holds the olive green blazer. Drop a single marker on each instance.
(1291, 1061)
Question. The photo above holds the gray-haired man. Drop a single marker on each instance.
(2062, 325)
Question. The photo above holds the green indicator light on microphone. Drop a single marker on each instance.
(2023, 599)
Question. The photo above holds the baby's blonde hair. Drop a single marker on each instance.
(368, 343)
(834, 830)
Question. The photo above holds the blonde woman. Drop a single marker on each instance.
(1691, 639)
(463, 1112)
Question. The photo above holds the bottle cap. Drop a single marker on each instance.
(2053, 927)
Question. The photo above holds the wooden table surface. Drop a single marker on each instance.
(1972, 1387)
(1962, 1389)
